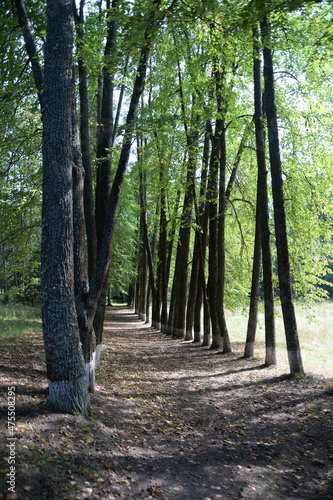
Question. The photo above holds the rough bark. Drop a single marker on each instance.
(68, 391)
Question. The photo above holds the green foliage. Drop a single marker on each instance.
(123, 265)
(20, 169)
(193, 40)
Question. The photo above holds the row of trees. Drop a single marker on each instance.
(184, 83)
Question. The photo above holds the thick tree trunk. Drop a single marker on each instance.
(288, 310)
(68, 391)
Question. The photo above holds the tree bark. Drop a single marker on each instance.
(288, 310)
(68, 391)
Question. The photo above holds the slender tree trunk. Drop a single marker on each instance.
(30, 45)
(254, 296)
(143, 285)
(87, 334)
(162, 261)
(270, 342)
(181, 267)
(89, 212)
(288, 310)
(192, 292)
(104, 162)
(169, 315)
(68, 391)
(212, 198)
(195, 300)
(225, 341)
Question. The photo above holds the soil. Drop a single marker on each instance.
(170, 420)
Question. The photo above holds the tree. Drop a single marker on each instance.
(262, 234)
(63, 273)
(64, 357)
(288, 310)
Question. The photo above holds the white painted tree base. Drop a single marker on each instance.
(90, 374)
(69, 396)
(98, 356)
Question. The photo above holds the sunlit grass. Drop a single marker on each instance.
(315, 329)
(17, 320)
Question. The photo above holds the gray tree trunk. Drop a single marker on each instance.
(68, 390)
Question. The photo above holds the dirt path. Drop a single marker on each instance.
(171, 421)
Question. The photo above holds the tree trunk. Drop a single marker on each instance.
(104, 161)
(89, 212)
(225, 341)
(288, 310)
(263, 223)
(195, 299)
(68, 391)
(254, 296)
(212, 198)
(270, 342)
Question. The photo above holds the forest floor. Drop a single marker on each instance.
(170, 420)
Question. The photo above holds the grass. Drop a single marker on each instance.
(17, 320)
(315, 330)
